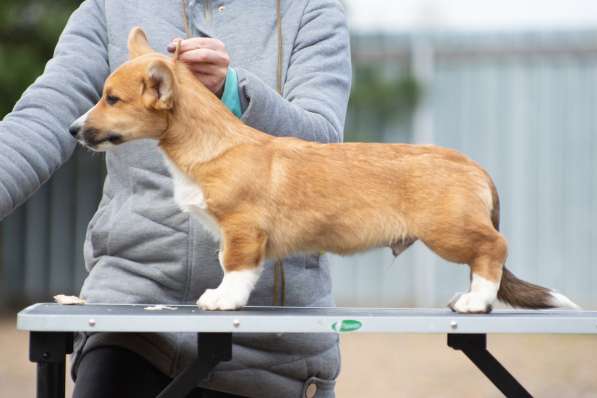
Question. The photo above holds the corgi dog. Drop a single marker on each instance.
(265, 197)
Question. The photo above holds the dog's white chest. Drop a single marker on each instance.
(189, 196)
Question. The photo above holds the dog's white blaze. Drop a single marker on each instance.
(189, 197)
(561, 301)
(483, 293)
(233, 292)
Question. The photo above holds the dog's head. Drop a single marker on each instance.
(135, 102)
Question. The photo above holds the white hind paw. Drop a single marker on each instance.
(470, 303)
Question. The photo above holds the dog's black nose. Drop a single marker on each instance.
(74, 130)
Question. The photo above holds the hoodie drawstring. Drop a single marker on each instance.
(279, 293)
(185, 19)
(279, 276)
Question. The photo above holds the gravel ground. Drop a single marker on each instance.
(408, 365)
(383, 365)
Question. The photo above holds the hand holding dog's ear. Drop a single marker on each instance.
(159, 86)
(138, 44)
(207, 58)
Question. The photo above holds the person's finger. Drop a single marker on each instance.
(172, 46)
(202, 42)
(205, 55)
(205, 68)
(195, 43)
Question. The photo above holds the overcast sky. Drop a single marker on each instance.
(471, 14)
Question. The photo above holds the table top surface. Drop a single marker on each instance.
(189, 318)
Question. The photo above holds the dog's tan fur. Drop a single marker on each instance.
(272, 197)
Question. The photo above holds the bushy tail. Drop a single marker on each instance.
(518, 293)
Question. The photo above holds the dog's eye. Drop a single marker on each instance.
(112, 99)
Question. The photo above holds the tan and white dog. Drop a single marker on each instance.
(265, 197)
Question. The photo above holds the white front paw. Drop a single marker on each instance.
(233, 292)
(471, 303)
(220, 299)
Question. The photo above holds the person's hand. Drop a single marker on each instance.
(208, 60)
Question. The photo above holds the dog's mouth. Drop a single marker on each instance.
(91, 141)
(112, 138)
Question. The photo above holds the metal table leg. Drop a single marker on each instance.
(49, 350)
(474, 346)
(212, 348)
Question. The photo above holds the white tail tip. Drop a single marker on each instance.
(561, 301)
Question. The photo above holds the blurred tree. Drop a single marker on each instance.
(379, 101)
(29, 30)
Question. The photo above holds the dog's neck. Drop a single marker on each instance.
(201, 128)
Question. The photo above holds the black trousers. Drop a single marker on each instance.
(119, 373)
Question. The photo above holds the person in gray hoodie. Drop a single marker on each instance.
(291, 77)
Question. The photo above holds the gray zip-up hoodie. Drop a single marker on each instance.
(140, 248)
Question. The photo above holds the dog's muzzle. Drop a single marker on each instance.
(77, 125)
(74, 130)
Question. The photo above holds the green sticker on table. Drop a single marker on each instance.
(347, 325)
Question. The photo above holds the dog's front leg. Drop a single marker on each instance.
(241, 256)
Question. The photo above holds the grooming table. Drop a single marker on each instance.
(52, 327)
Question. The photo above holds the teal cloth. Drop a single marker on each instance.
(230, 96)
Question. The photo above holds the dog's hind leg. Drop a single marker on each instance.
(486, 274)
(484, 249)
(241, 256)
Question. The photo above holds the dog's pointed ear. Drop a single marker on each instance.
(137, 43)
(160, 85)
